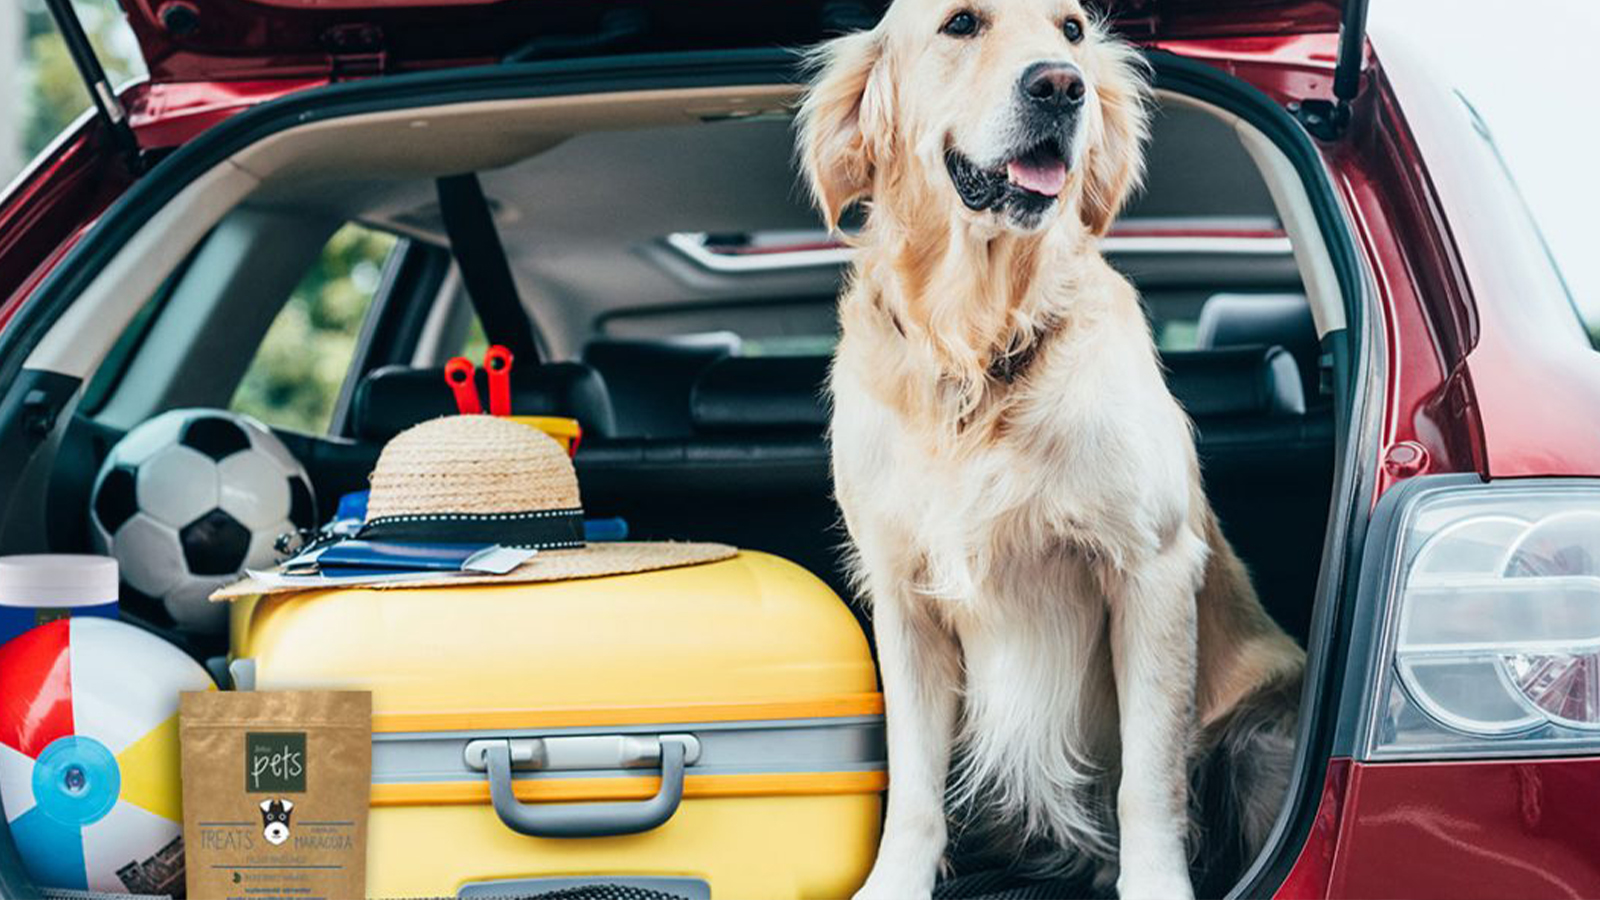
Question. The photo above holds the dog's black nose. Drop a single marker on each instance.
(1053, 85)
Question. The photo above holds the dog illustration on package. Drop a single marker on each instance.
(275, 820)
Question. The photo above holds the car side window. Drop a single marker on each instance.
(294, 379)
(474, 344)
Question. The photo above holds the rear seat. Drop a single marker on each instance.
(1236, 381)
(753, 472)
(393, 398)
(756, 471)
(1270, 480)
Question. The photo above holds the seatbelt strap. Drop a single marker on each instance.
(482, 260)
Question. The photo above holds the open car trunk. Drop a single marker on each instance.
(84, 352)
(240, 39)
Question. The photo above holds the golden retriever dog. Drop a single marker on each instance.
(1054, 604)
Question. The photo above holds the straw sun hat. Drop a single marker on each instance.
(481, 479)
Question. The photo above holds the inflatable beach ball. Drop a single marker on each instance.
(89, 754)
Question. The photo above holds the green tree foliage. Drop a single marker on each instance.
(54, 94)
(295, 378)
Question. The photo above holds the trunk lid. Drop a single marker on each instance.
(212, 40)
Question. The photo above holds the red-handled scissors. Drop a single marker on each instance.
(497, 362)
(459, 375)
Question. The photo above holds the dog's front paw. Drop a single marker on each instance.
(1154, 885)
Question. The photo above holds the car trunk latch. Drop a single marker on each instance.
(355, 51)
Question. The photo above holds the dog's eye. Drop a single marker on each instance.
(962, 24)
(1073, 29)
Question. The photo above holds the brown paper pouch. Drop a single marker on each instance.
(275, 791)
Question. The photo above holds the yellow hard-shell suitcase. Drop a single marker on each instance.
(528, 737)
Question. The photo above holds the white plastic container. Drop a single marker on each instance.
(41, 588)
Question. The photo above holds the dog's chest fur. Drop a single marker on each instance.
(1007, 522)
(1066, 456)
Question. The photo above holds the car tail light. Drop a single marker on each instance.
(1491, 638)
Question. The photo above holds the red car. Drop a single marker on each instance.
(1392, 390)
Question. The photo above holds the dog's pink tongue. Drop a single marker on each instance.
(1039, 176)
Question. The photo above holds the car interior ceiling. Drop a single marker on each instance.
(692, 431)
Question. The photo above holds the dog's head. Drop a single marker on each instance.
(1011, 112)
(275, 820)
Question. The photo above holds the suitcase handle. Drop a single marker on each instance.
(582, 820)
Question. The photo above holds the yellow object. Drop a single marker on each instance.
(563, 429)
(754, 784)
(150, 770)
(814, 847)
(820, 707)
(753, 647)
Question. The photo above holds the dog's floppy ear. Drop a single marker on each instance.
(1114, 165)
(288, 806)
(844, 121)
(266, 805)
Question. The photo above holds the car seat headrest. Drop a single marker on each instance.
(1248, 320)
(650, 378)
(1235, 381)
(788, 394)
(1233, 320)
(761, 393)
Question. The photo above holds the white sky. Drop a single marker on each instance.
(1529, 69)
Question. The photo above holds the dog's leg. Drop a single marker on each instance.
(1153, 646)
(919, 663)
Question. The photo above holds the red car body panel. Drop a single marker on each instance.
(1285, 67)
(1429, 314)
(1475, 378)
(1467, 830)
(185, 40)
(1486, 366)
(56, 200)
(170, 114)
(51, 205)
(1529, 364)
(1313, 868)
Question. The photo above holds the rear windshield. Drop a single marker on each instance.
(1547, 149)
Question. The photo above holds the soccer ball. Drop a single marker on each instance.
(189, 499)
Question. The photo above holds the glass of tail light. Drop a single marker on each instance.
(1494, 632)
(1564, 686)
